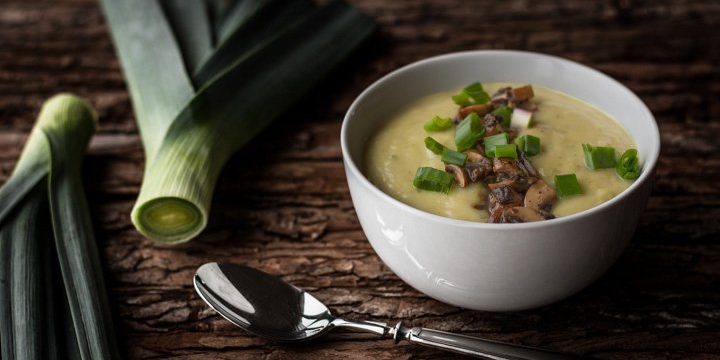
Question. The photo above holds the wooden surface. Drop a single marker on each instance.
(293, 216)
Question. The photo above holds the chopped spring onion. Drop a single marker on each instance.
(506, 151)
(492, 141)
(628, 167)
(521, 118)
(528, 144)
(567, 185)
(192, 123)
(438, 123)
(427, 178)
(468, 132)
(599, 157)
(453, 157)
(434, 146)
(471, 95)
(505, 112)
(462, 99)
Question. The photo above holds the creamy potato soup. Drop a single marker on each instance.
(488, 183)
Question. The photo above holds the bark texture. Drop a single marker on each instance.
(294, 217)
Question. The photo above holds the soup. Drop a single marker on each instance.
(551, 144)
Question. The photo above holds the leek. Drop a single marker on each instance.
(267, 55)
(47, 177)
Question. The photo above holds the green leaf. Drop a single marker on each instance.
(238, 14)
(30, 170)
(190, 23)
(261, 26)
(152, 64)
(23, 296)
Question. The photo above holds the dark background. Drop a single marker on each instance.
(282, 204)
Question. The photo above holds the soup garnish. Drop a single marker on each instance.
(490, 152)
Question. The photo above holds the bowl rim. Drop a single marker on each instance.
(648, 165)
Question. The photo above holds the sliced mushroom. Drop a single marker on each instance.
(540, 196)
(506, 168)
(478, 171)
(474, 155)
(495, 215)
(519, 183)
(520, 214)
(502, 96)
(499, 199)
(460, 175)
(480, 109)
(523, 93)
(526, 166)
(478, 166)
(505, 196)
(493, 124)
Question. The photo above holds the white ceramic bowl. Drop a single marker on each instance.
(496, 267)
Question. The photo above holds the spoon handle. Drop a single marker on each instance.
(468, 345)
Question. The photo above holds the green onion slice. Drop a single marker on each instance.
(505, 113)
(628, 167)
(471, 95)
(434, 146)
(528, 144)
(438, 123)
(599, 157)
(567, 185)
(492, 141)
(468, 132)
(427, 178)
(453, 157)
(506, 151)
(462, 99)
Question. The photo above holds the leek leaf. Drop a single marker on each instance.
(238, 14)
(267, 22)
(23, 295)
(68, 134)
(190, 23)
(31, 168)
(153, 66)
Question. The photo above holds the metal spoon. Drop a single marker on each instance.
(269, 307)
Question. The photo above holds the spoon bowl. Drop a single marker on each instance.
(261, 303)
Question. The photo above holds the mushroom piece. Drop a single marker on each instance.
(499, 199)
(502, 96)
(504, 196)
(520, 214)
(478, 170)
(540, 197)
(518, 183)
(526, 166)
(475, 156)
(478, 166)
(506, 168)
(493, 124)
(523, 93)
(480, 109)
(460, 175)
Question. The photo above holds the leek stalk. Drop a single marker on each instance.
(267, 55)
(46, 180)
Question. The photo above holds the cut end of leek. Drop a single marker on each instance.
(169, 219)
